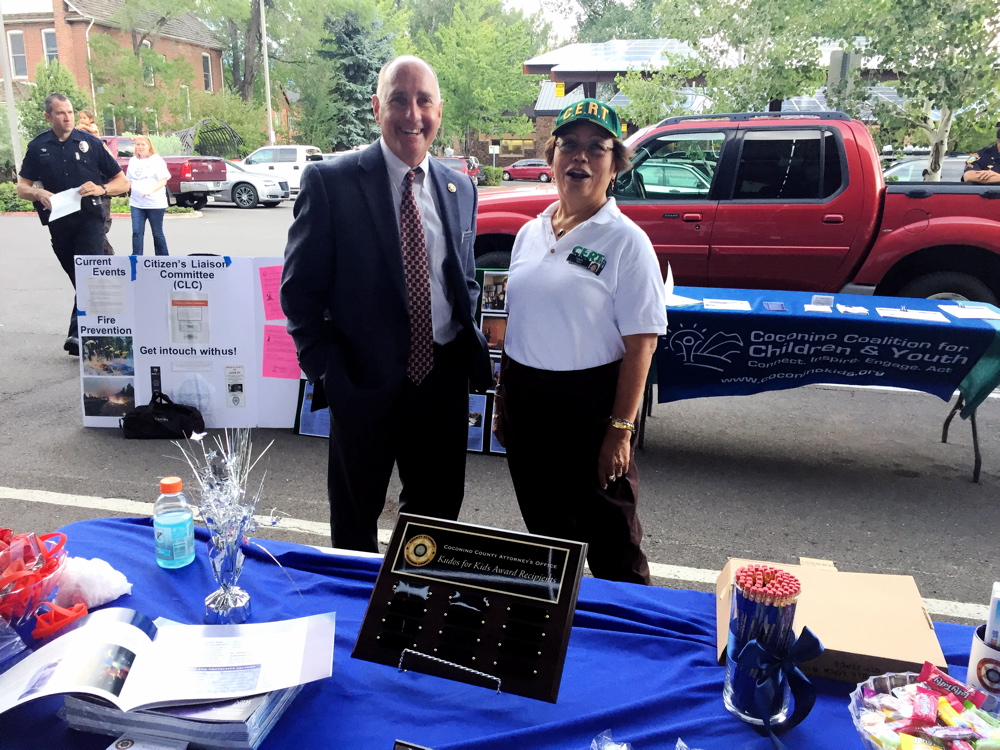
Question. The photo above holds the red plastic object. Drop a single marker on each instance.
(47, 623)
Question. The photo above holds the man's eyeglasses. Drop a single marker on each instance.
(594, 149)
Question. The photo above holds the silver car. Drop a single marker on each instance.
(912, 170)
(248, 189)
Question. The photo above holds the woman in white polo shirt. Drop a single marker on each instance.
(586, 303)
(148, 201)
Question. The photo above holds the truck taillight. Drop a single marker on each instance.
(186, 171)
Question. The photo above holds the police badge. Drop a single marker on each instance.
(84, 147)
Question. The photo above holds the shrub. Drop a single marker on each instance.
(9, 200)
(493, 175)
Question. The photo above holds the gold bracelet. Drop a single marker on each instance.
(622, 424)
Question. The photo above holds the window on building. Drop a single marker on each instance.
(516, 146)
(206, 70)
(49, 45)
(18, 60)
(147, 69)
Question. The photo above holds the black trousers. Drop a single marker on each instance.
(424, 432)
(554, 424)
(80, 233)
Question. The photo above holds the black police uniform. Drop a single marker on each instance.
(986, 159)
(61, 165)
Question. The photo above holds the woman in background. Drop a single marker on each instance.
(148, 174)
(585, 305)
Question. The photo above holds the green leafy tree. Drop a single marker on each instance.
(144, 19)
(478, 57)
(751, 54)
(337, 109)
(6, 149)
(603, 20)
(137, 89)
(943, 55)
(248, 119)
(652, 95)
(49, 78)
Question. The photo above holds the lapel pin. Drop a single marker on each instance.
(451, 187)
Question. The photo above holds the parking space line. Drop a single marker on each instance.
(940, 607)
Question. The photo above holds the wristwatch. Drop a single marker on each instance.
(622, 424)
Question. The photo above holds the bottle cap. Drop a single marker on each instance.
(169, 485)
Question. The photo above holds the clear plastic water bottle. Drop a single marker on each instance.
(173, 524)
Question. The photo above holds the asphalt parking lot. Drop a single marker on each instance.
(857, 476)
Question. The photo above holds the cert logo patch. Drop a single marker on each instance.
(420, 550)
(84, 147)
(590, 259)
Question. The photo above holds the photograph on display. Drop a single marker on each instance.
(108, 397)
(495, 446)
(477, 419)
(108, 355)
(495, 291)
(494, 328)
(495, 362)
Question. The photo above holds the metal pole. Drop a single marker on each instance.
(8, 92)
(267, 76)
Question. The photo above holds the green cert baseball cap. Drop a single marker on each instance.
(593, 110)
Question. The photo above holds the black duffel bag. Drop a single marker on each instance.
(162, 419)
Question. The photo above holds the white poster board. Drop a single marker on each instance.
(205, 330)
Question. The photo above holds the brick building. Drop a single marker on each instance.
(40, 31)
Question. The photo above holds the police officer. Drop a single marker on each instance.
(60, 159)
(984, 166)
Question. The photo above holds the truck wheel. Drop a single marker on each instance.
(198, 203)
(494, 259)
(244, 195)
(949, 285)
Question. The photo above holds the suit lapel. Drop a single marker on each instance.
(447, 203)
(376, 191)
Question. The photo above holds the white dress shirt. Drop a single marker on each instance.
(445, 326)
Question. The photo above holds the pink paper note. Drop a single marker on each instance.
(270, 283)
(280, 360)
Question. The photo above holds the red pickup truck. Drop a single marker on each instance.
(791, 201)
(192, 178)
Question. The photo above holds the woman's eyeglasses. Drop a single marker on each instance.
(594, 149)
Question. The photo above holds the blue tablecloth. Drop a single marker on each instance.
(777, 345)
(641, 663)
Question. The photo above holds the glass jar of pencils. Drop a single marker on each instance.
(762, 609)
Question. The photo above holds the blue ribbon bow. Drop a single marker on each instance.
(774, 670)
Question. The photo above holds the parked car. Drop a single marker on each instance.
(458, 163)
(248, 189)
(475, 169)
(669, 176)
(193, 179)
(912, 170)
(794, 201)
(285, 162)
(528, 169)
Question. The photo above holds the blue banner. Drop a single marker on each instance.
(777, 344)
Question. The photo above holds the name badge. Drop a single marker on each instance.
(591, 260)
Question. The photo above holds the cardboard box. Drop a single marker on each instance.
(869, 624)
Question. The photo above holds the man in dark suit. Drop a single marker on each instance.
(379, 290)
